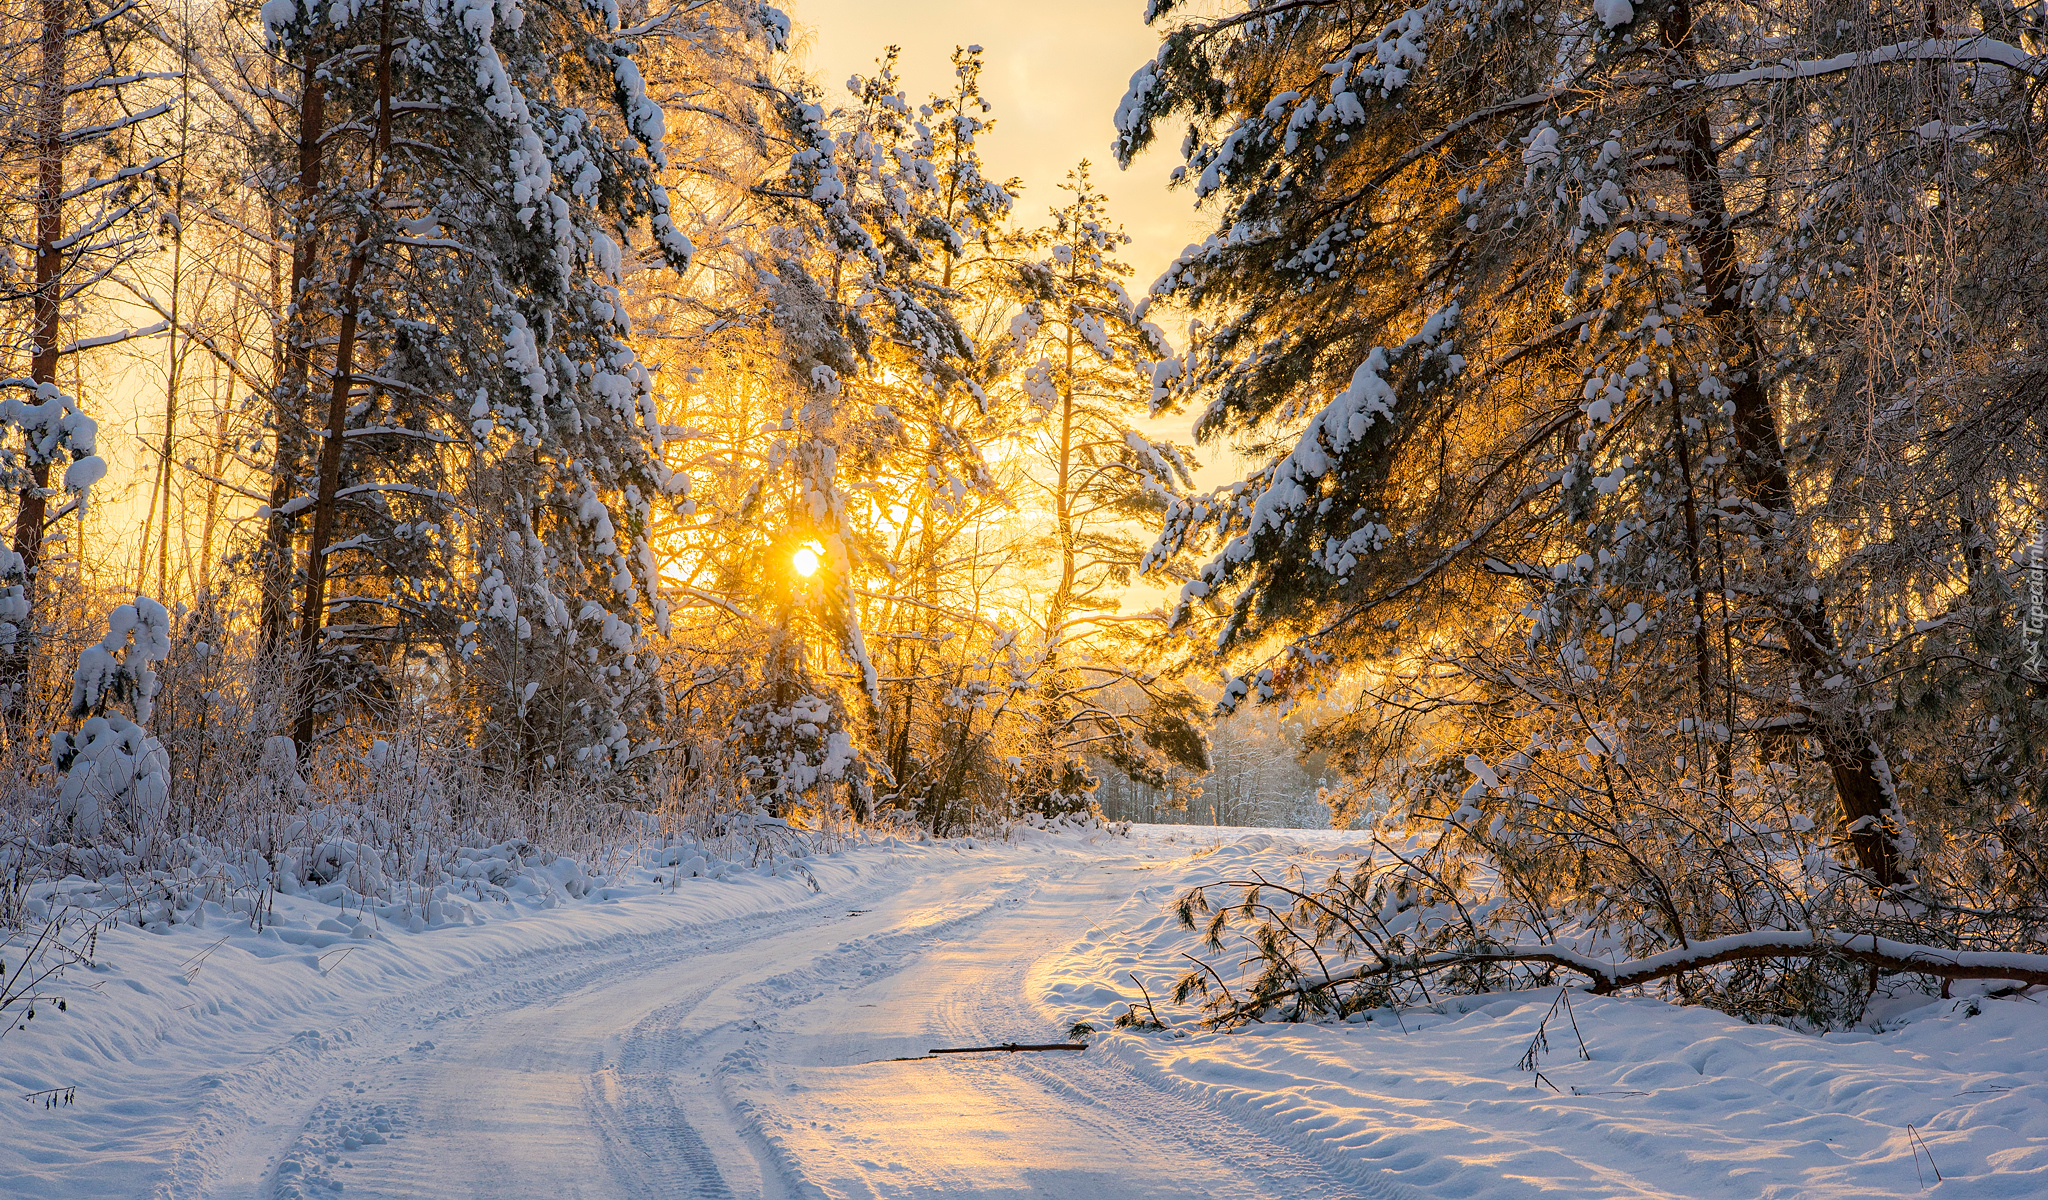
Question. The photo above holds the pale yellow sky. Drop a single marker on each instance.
(1055, 71)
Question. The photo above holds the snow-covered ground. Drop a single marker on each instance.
(735, 1038)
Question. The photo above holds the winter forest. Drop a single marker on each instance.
(1592, 465)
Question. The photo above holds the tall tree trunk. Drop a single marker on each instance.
(313, 613)
(175, 360)
(1702, 672)
(1840, 729)
(1053, 708)
(1062, 503)
(30, 516)
(906, 655)
(215, 469)
(288, 408)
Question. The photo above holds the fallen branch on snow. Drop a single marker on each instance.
(1881, 953)
(1009, 1048)
(1005, 1048)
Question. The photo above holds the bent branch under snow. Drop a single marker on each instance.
(1882, 953)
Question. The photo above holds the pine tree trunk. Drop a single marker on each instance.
(49, 260)
(1842, 731)
(908, 658)
(203, 584)
(313, 613)
(289, 405)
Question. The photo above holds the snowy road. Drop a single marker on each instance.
(745, 1060)
(734, 1039)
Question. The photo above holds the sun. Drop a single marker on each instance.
(807, 559)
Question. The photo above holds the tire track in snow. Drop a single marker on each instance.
(618, 1121)
(640, 1117)
(250, 1120)
(842, 1127)
(1288, 1165)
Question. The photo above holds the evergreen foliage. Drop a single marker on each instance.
(1622, 400)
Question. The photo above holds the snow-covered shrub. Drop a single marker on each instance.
(793, 753)
(1087, 822)
(172, 791)
(14, 607)
(51, 427)
(111, 765)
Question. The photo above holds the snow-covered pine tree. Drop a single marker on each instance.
(1583, 336)
(878, 201)
(470, 178)
(1082, 357)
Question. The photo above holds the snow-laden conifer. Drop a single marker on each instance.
(884, 207)
(1082, 363)
(479, 470)
(1587, 341)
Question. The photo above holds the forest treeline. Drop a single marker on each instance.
(1641, 403)
(585, 391)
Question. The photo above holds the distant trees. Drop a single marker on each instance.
(918, 439)
(1259, 773)
(1083, 357)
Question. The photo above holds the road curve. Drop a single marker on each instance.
(749, 1060)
